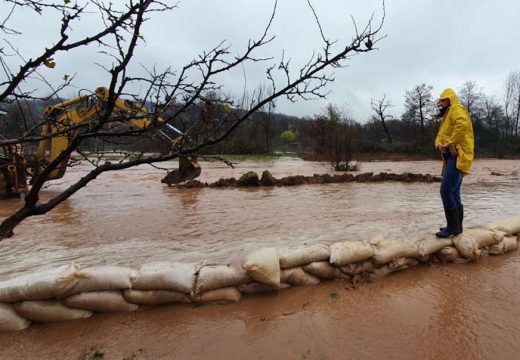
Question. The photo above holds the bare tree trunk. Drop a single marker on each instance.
(7, 226)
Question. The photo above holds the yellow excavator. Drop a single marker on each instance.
(16, 166)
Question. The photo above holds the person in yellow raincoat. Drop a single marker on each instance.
(456, 144)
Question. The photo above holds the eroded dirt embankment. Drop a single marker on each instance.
(251, 179)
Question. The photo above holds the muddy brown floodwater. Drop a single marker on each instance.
(129, 218)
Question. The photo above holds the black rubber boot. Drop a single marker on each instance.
(453, 228)
(460, 209)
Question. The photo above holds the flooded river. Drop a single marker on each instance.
(129, 218)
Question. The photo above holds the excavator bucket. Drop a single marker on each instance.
(189, 169)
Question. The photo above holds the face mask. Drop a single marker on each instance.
(442, 111)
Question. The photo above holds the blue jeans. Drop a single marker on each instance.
(451, 182)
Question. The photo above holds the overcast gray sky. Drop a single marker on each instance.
(438, 42)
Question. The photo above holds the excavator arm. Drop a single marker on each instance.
(59, 130)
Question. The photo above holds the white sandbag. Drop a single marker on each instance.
(101, 301)
(291, 257)
(388, 250)
(509, 226)
(376, 239)
(102, 278)
(402, 263)
(432, 245)
(298, 276)
(10, 320)
(354, 269)
(39, 285)
(154, 297)
(220, 276)
(393, 266)
(49, 311)
(450, 254)
(256, 287)
(227, 294)
(484, 237)
(509, 243)
(264, 266)
(349, 252)
(324, 270)
(467, 246)
(166, 276)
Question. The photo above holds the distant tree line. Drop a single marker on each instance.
(332, 135)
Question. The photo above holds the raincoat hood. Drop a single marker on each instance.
(450, 94)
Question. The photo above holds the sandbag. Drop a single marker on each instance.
(49, 311)
(349, 252)
(41, 285)
(484, 237)
(467, 246)
(402, 263)
(291, 257)
(298, 276)
(264, 266)
(509, 243)
(166, 276)
(10, 320)
(101, 278)
(395, 265)
(324, 270)
(220, 276)
(227, 294)
(256, 287)
(432, 245)
(450, 254)
(509, 226)
(354, 269)
(386, 251)
(101, 301)
(154, 297)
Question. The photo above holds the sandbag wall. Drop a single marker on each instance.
(68, 292)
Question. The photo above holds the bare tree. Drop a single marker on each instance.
(493, 117)
(512, 103)
(165, 97)
(472, 98)
(265, 119)
(332, 134)
(380, 107)
(419, 105)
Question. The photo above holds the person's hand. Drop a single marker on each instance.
(443, 148)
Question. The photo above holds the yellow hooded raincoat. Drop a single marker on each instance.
(456, 129)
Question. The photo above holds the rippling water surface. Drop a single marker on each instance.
(451, 311)
(129, 217)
